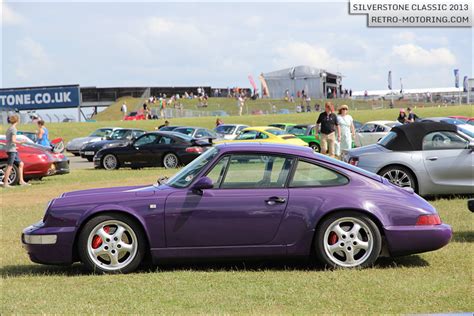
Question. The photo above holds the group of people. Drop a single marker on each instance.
(405, 118)
(11, 149)
(336, 130)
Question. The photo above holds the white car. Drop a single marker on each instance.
(372, 132)
(229, 131)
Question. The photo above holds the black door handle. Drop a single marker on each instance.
(274, 200)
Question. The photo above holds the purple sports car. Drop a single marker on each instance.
(240, 201)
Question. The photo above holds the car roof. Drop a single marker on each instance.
(291, 124)
(260, 128)
(266, 147)
(410, 136)
(305, 125)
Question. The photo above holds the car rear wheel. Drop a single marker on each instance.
(170, 161)
(14, 174)
(110, 162)
(111, 244)
(399, 176)
(315, 147)
(348, 240)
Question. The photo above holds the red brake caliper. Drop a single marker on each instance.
(97, 240)
(332, 238)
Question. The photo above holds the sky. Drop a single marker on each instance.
(110, 44)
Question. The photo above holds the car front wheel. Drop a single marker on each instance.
(111, 244)
(315, 147)
(110, 162)
(348, 240)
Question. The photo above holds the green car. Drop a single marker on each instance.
(306, 132)
(284, 126)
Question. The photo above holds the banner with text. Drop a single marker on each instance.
(39, 98)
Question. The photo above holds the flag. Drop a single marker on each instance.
(465, 84)
(252, 82)
(456, 78)
(390, 80)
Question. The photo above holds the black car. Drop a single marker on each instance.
(168, 128)
(119, 137)
(155, 149)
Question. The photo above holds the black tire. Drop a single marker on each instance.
(316, 147)
(14, 175)
(170, 161)
(390, 172)
(84, 240)
(90, 159)
(368, 234)
(106, 165)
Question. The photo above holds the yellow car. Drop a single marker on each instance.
(266, 134)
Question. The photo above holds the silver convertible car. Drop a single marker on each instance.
(430, 157)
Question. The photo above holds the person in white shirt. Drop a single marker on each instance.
(346, 124)
(123, 109)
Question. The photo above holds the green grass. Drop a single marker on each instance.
(435, 282)
(69, 131)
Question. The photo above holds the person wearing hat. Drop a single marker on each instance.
(402, 116)
(347, 130)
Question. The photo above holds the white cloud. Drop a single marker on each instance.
(302, 53)
(405, 37)
(9, 16)
(418, 56)
(253, 21)
(33, 62)
(159, 27)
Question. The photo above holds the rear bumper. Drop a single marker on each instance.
(49, 245)
(62, 167)
(405, 240)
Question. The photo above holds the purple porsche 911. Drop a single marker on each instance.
(240, 201)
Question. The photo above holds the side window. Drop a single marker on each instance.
(379, 128)
(165, 140)
(145, 140)
(256, 171)
(261, 135)
(137, 134)
(311, 175)
(217, 172)
(443, 140)
(200, 133)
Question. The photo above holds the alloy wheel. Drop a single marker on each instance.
(398, 177)
(170, 161)
(110, 162)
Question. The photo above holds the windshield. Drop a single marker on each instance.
(186, 131)
(101, 132)
(298, 130)
(466, 130)
(276, 132)
(452, 121)
(183, 178)
(387, 139)
(225, 129)
(119, 134)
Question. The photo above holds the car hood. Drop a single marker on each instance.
(108, 143)
(83, 140)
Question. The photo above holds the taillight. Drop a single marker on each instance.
(354, 161)
(43, 157)
(194, 150)
(428, 220)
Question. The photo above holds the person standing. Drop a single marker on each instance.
(240, 103)
(327, 125)
(346, 126)
(219, 122)
(123, 109)
(402, 117)
(43, 134)
(12, 152)
(412, 117)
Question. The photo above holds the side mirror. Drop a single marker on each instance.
(202, 184)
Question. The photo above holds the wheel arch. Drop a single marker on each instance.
(370, 215)
(417, 186)
(110, 211)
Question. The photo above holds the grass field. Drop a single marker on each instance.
(435, 282)
(72, 130)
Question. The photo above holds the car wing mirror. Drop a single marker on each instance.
(202, 184)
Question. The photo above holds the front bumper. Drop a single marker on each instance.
(405, 240)
(87, 153)
(49, 245)
(62, 167)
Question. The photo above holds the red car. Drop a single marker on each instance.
(135, 116)
(39, 162)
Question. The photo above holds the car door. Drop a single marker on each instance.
(448, 159)
(244, 208)
(163, 145)
(142, 150)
